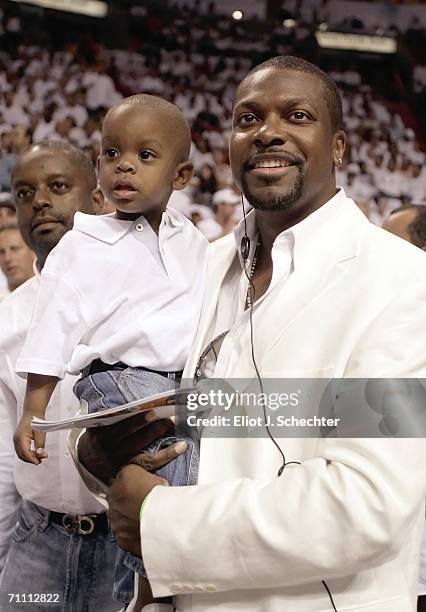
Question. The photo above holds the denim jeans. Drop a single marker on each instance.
(76, 570)
(116, 387)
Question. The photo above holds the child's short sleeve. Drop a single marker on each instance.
(57, 326)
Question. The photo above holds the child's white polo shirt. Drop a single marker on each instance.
(112, 290)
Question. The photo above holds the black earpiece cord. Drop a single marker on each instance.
(245, 251)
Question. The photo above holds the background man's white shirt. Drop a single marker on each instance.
(55, 484)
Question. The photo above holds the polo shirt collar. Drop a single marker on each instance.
(109, 229)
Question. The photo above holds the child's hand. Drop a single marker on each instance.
(37, 395)
(22, 438)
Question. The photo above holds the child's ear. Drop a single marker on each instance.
(98, 201)
(97, 166)
(183, 174)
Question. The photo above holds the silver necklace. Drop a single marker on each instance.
(249, 299)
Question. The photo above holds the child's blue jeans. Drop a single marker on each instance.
(113, 388)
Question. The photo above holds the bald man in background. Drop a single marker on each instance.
(409, 223)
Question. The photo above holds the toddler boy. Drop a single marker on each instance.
(120, 295)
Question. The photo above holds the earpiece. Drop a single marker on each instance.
(245, 240)
(245, 248)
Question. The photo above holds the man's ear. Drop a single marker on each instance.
(183, 174)
(339, 146)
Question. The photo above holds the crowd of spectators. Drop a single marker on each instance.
(64, 94)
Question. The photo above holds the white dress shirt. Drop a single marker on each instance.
(111, 289)
(54, 484)
(287, 252)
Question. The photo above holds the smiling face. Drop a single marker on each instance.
(283, 148)
(48, 186)
(141, 160)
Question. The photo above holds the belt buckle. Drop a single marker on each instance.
(75, 524)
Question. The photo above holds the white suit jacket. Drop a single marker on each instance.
(351, 514)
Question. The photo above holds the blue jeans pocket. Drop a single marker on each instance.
(100, 391)
(135, 383)
(28, 522)
(116, 387)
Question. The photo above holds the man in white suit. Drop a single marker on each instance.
(334, 296)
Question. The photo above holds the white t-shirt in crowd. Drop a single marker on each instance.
(211, 229)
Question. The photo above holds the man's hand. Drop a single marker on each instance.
(129, 490)
(104, 450)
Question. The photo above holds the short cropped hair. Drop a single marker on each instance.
(417, 228)
(81, 159)
(181, 129)
(289, 62)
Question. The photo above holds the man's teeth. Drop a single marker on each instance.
(272, 163)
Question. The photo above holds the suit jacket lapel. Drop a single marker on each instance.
(321, 266)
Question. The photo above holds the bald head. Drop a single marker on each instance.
(409, 223)
(78, 159)
(168, 113)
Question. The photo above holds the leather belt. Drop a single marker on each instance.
(99, 366)
(81, 524)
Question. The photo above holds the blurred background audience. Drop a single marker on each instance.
(59, 72)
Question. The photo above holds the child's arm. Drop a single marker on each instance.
(37, 395)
